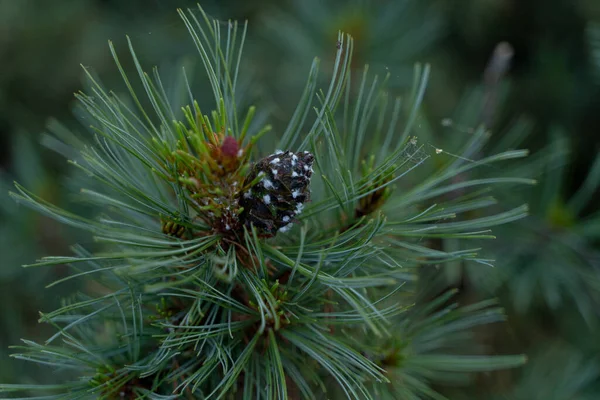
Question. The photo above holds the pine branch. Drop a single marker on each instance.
(223, 273)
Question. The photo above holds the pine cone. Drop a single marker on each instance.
(272, 204)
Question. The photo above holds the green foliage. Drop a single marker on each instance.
(182, 306)
(24, 234)
(575, 379)
(389, 36)
(565, 275)
(594, 40)
(546, 273)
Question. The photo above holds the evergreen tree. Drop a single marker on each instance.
(231, 265)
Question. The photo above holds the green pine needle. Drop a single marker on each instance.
(191, 301)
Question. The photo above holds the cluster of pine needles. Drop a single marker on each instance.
(228, 267)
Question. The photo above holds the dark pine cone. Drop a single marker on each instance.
(272, 204)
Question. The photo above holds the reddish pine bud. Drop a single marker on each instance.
(230, 147)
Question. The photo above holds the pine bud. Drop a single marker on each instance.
(279, 193)
(230, 147)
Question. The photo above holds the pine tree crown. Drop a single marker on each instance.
(219, 272)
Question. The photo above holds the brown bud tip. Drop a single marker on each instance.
(230, 147)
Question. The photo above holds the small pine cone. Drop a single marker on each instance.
(370, 203)
(173, 229)
(282, 189)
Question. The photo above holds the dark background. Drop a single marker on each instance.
(553, 82)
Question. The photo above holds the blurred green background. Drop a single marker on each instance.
(529, 70)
